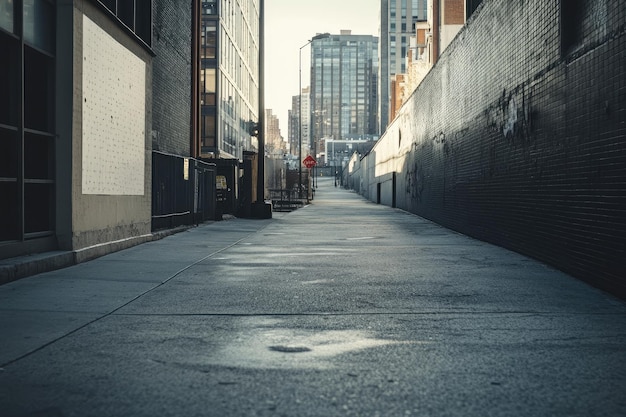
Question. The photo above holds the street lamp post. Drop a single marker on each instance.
(300, 119)
(259, 208)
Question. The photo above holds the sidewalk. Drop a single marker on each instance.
(38, 310)
(341, 308)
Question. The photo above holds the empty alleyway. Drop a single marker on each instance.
(341, 308)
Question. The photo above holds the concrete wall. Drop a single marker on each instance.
(517, 136)
(171, 42)
(111, 146)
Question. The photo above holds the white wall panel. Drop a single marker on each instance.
(113, 115)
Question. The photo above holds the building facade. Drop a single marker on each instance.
(293, 125)
(521, 143)
(397, 25)
(413, 36)
(343, 91)
(430, 38)
(300, 126)
(275, 146)
(229, 77)
(75, 143)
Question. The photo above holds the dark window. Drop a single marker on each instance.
(7, 14)
(39, 24)
(9, 71)
(110, 4)
(38, 91)
(209, 129)
(126, 13)
(40, 149)
(572, 13)
(9, 212)
(27, 150)
(136, 15)
(143, 20)
(470, 7)
(583, 23)
(38, 207)
(8, 153)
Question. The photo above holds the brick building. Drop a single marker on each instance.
(516, 136)
(275, 145)
(430, 38)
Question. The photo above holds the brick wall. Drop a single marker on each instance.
(171, 122)
(398, 90)
(518, 137)
(453, 12)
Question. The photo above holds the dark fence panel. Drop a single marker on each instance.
(183, 191)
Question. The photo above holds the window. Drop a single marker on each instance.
(39, 24)
(209, 40)
(9, 71)
(110, 4)
(38, 91)
(136, 15)
(582, 21)
(209, 7)
(208, 81)
(6, 15)
(571, 28)
(27, 150)
(208, 132)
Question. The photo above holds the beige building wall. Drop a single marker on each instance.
(111, 179)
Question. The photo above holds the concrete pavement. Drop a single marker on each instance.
(342, 308)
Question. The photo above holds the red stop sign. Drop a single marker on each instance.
(309, 162)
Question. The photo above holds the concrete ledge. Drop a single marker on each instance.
(13, 269)
(96, 251)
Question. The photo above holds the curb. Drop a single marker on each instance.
(20, 267)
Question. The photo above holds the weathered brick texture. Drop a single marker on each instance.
(518, 137)
(171, 122)
(454, 12)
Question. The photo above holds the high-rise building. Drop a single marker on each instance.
(305, 120)
(229, 77)
(275, 145)
(300, 127)
(344, 91)
(397, 25)
(293, 125)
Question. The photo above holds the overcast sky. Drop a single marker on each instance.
(290, 24)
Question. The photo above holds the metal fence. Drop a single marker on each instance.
(183, 191)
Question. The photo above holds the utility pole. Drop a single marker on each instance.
(260, 210)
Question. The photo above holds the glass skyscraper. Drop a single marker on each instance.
(229, 76)
(344, 90)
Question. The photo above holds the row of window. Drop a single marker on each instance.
(27, 145)
(136, 15)
(38, 25)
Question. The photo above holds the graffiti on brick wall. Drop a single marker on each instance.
(414, 177)
(510, 115)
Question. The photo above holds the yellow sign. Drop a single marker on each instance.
(220, 182)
